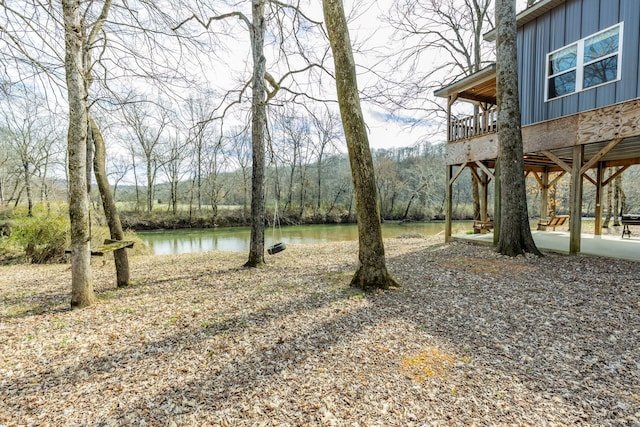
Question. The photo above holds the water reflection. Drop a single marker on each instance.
(236, 239)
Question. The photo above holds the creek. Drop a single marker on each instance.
(236, 239)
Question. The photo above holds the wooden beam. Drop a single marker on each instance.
(591, 180)
(448, 205)
(449, 133)
(557, 178)
(557, 160)
(483, 147)
(474, 172)
(575, 201)
(622, 162)
(537, 177)
(595, 159)
(485, 169)
(557, 133)
(615, 175)
(458, 172)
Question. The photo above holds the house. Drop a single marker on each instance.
(579, 83)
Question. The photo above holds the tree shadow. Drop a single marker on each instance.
(565, 343)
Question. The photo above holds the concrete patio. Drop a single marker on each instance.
(611, 245)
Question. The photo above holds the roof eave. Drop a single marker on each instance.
(471, 80)
(528, 15)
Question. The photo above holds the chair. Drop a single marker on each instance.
(553, 222)
(482, 227)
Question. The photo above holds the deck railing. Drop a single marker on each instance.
(471, 126)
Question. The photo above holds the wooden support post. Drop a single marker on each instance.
(450, 101)
(448, 204)
(575, 200)
(497, 202)
(598, 210)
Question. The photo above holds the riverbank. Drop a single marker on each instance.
(162, 220)
(471, 338)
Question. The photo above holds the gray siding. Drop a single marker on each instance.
(571, 21)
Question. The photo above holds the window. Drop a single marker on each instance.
(587, 63)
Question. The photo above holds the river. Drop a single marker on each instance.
(236, 239)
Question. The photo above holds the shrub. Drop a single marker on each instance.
(43, 237)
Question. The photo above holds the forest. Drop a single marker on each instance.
(179, 139)
(207, 180)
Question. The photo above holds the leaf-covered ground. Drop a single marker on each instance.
(471, 338)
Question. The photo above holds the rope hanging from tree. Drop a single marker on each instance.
(280, 246)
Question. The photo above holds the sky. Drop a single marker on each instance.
(386, 130)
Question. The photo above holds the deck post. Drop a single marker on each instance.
(598, 210)
(448, 205)
(575, 200)
(450, 101)
(497, 202)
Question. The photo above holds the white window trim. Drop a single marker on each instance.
(580, 64)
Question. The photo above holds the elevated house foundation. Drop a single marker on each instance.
(580, 101)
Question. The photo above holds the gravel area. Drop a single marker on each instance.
(471, 338)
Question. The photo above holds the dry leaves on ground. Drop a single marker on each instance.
(471, 338)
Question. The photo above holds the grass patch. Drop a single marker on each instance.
(429, 363)
(22, 310)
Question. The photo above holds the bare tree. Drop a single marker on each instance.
(147, 128)
(121, 258)
(328, 131)
(33, 37)
(29, 136)
(292, 147)
(119, 168)
(261, 94)
(198, 110)
(81, 277)
(388, 182)
(240, 151)
(450, 30)
(10, 171)
(215, 160)
(515, 232)
(372, 272)
(174, 155)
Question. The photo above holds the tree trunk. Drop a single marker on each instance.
(515, 232)
(609, 204)
(27, 186)
(372, 272)
(475, 190)
(618, 200)
(319, 182)
(258, 126)
(149, 185)
(109, 205)
(81, 278)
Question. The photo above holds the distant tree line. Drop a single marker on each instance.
(164, 160)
